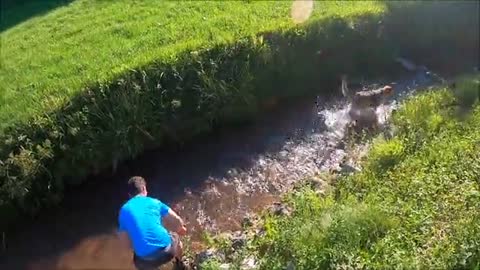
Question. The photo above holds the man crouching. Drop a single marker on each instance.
(140, 221)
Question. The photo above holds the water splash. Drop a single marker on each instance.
(315, 148)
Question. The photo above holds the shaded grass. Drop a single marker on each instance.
(415, 205)
(467, 92)
(14, 12)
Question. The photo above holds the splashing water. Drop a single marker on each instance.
(315, 148)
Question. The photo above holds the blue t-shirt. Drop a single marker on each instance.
(140, 217)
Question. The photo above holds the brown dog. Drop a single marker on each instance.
(364, 104)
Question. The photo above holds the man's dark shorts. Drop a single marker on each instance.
(160, 257)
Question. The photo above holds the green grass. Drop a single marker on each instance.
(48, 59)
(415, 205)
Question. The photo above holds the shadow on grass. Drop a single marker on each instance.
(467, 94)
(14, 12)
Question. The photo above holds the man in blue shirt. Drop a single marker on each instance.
(140, 219)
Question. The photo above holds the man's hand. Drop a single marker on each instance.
(182, 230)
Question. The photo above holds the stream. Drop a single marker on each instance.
(213, 184)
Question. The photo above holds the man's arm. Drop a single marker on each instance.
(177, 222)
(174, 222)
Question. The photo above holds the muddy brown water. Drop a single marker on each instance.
(213, 184)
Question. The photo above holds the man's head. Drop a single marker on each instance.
(137, 186)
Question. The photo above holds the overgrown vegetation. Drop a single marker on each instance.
(415, 204)
(93, 82)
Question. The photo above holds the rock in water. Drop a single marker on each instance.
(290, 266)
(316, 183)
(225, 266)
(280, 209)
(249, 264)
(209, 254)
(348, 169)
(247, 221)
(301, 10)
(238, 240)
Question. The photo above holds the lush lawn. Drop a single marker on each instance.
(415, 205)
(48, 58)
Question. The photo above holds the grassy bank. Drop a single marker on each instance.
(88, 83)
(415, 204)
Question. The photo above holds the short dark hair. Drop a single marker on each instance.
(135, 185)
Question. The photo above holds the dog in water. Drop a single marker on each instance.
(364, 104)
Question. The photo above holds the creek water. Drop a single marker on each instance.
(213, 184)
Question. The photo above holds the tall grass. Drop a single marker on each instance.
(17, 11)
(415, 205)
